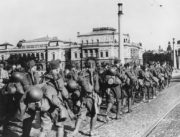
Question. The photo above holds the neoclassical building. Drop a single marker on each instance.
(37, 48)
(98, 46)
(178, 54)
(102, 45)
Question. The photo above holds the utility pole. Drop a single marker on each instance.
(120, 35)
(81, 56)
(174, 54)
(46, 54)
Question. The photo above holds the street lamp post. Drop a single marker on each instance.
(174, 54)
(81, 57)
(46, 54)
(120, 39)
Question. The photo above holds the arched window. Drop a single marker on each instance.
(107, 54)
(101, 54)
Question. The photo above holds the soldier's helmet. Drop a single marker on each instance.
(18, 76)
(34, 94)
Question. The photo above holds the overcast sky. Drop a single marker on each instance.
(152, 22)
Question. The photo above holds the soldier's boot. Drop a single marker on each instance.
(60, 131)
(160, 86)
(124, 101)
(77, 126)
(144, 94)
(129, 105)
(133, 97)
(148, 93)
(110, 105)
(118, 110)
(154, 92)
(92, 125)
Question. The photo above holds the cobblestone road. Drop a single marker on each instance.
(169, 126)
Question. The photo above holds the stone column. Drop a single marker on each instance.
(94, 52)
(44, 55)
(88, 53)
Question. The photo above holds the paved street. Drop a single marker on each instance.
(169, 126)
(128, 125)
(143, 116)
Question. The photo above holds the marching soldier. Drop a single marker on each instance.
(54, 108)
(88, 104)
(113, 90)
(14, 94)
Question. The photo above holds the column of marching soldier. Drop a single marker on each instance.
(73, 94)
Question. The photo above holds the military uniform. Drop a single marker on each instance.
(88, 102)
(14, 94)
(113, 90)
(55, 109)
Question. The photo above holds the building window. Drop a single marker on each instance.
(42, 56)
(53, 56)
(75, 55)
(87, 41)
(101, 54)
(97, 40)
(91, 53)
(82, 41)
(107, 54)
(2, 57)
(85, 53)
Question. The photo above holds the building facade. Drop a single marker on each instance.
(101, 45)
(37, 48)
